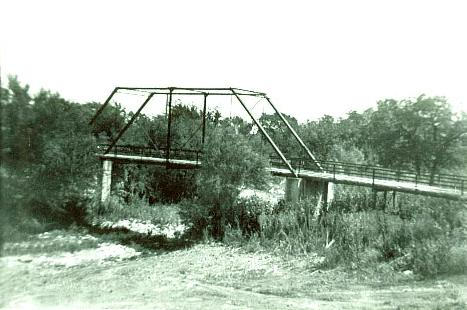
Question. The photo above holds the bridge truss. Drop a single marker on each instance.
(171, 92)
(282, 164)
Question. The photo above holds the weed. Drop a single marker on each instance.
(117, 209)
(419, 234)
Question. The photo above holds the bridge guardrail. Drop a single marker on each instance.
(147, 151)
(450, 181)
(455, 182)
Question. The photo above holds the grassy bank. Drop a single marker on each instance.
(419, 235)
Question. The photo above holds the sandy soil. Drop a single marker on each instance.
(76, 270)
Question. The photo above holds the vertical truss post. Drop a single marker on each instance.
(169, 125)
(294, 133)
(166, 104)
(120, 134)
(204, 119)
(274, 146)
(102, 107)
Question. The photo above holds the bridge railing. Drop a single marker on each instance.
(450, 181)
(376, 173)
(147, 151)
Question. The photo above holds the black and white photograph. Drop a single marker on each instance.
(233, 154)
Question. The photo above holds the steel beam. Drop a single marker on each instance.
(274, 146)
(189, 88)
(102, 107)
(297, 137)
(204, 120)
(159, 92)
(194, 91)
(120, 134)
(169, 125)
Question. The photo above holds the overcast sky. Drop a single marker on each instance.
(311, 57)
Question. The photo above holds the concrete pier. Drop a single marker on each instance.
(292, 189)
(297, 189)
(106, 180)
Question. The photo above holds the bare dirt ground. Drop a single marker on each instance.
(77, 270)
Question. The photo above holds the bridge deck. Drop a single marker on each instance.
(181, 163)
(378, 184)
(338, 178)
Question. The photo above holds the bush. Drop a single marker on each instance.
(430, 257)
(290, 228)
(420, 235)
(64, 209)
(246, 212)
(229, 164)
(172, 186)
(196, 216)
(243, 216)
(117, 209)
(156, 184)
(423, 234)
(352, 232)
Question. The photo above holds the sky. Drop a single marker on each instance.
(311, 57)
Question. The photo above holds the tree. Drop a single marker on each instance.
(64, 155)
(16, 136)
(322, 137)
(109, 122)
(280, 134)
(355, 134)
(49, 150)
(423, 134)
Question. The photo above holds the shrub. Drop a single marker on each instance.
(429, 257)
(64, 209)
(422, 234)
(172, 186)
(393, 235)
(229, 163)
(156, 184)
(352, 232)
(245, 214)
(290, 228)
(196, 216)
(138, 209)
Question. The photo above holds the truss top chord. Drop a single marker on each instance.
(193, 91)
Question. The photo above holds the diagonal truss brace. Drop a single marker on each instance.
(274, 146)
(294, 133)
(104, 105)
(133, 118)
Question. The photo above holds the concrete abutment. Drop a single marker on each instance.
(106, 180)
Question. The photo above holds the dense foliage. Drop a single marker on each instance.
(48, 161)
(229, 164)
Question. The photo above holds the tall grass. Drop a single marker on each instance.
(422, 234)
(139, 209)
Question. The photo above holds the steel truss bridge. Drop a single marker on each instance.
(308, 167)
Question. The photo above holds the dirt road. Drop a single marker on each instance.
(75, 270)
